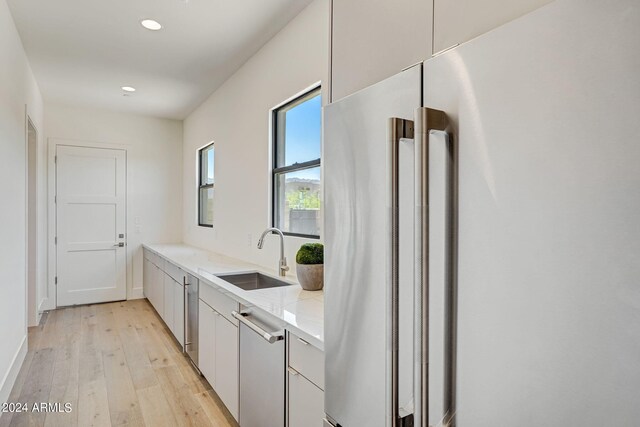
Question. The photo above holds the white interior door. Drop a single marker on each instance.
(90, 214)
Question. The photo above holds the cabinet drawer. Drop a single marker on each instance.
(160, 262)
(157, 260)
(174, 271)
(151, 257)
(306, 402)
(219, 302)
(307, 360)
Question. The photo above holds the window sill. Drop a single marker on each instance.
(305, 236)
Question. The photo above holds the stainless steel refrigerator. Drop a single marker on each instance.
(481, 224)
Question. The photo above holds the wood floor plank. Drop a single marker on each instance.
(215, 410)
(123, 401)
(36, 387)
(142, 374)
(117, 364)
(157, 352)
(108, 333)
(14, 396)
(197, 383)
(183, 403)
(50, 331)
(93, 404)
(65, 382)
(155, 408)
(33, 337)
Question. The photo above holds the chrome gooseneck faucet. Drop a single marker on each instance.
(282, 265)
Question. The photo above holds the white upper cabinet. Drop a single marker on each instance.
(373, 40)
(456, 21)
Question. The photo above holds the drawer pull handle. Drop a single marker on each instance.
(303, 341)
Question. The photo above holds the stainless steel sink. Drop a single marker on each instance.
(253, 281)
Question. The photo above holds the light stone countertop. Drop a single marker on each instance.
(302, 311)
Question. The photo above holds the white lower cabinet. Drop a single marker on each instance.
(145, 276)
(306, 402)
(178, 312)
(226, 361)
(219, 345)
(167, 310)
(218, 355)
(305, 377)
(207, 342)
(164, 292)
(157, 291)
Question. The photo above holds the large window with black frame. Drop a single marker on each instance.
(206, 182)
(297, 127)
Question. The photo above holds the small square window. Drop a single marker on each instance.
(206, 186)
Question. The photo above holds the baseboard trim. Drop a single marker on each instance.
(46, 304)
(10, 378)
(136, 293)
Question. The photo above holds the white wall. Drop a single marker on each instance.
(17, 89)
(236, 117)
(154, 173)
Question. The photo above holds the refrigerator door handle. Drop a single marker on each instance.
(426, 120)
(397, 129)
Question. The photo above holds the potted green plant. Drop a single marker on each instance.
(310, 266)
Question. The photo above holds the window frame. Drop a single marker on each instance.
(276, 170)
(202, 186)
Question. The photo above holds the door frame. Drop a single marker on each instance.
(52, 145)
(32, 234)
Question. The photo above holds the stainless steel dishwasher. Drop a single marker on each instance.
(262, 370)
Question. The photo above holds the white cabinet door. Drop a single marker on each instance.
(457, 21)
(167, 311)
(206, 342)
(145, 277)
(306, 402)
(158, 289)
(178, 312)
(373, 40)
(226, 361)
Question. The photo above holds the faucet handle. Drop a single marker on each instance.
(283, 266)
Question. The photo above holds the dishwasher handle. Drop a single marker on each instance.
(267, 336)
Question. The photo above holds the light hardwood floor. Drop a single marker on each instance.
(117, 364)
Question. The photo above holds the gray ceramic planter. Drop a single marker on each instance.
(310, 276)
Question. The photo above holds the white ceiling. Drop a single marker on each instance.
(83, 51)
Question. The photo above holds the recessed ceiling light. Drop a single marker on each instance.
(150, 24)
(128, 89)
